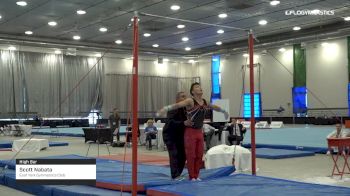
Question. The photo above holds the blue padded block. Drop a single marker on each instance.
(269, 153)
(5, 144)
(289, 147)
(51, 144)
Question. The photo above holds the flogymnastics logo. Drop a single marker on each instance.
(310, 12)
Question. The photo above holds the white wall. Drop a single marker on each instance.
(148, 67)
(277, 80)
(204, 72)
(326, 77)
(327, 74)
(274, 82)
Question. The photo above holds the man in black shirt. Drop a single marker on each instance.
(236, 132)
(114, 123)
(173, 136)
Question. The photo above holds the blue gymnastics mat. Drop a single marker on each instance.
(269, 153)
(8, 144)
(293, 137)
(8, 178)
(289, 147)
(5, 144)
(247, 185)
(111, 174)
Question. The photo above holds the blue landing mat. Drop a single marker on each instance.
(59, 134)
(5, 144)
(290, 147)
(269, 153)
(8, 144)
(9, 179)
(58, 144)
(247, 185)
(112, 174)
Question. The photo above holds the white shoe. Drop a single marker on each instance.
(193, 179)
(198, 179)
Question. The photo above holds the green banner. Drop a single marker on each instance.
(299, 60)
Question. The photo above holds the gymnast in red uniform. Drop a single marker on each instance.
(196, 107)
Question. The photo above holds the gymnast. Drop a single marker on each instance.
(196, 107)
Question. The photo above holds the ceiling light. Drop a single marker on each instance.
(191, 61)
(58, 52)
(103, 29)
(220, 31)
(118, 41)
(245, 55)
(282, 49)
(346, 18)
(132, 19)
(12, 48)
(146, 34)
(28, 32)
(218, 43)
(76, 37)
(262, 22)
(98, 55)
(185, 39)
(155, 45)
(274, 3)
(81, 12)
(166, 60)
(324, 44)
(175, 7)
(0, 16)
(52, 23)
(181, 26)
(223, 15)
(21, 3)
(187, 48)
(296, 28)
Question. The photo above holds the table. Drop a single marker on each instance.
(34, 145)
(343, 146)
(98, 134)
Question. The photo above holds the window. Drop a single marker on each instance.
(300, 100)
(247, 107)
(93, 116)
(215, 78)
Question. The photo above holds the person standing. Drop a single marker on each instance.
(173, 137)
(114, 123)
(196, 107)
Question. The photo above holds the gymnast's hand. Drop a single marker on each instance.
(161, 112)
(188, 123)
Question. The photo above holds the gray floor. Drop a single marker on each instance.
(313, 169)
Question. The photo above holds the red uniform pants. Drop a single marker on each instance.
(194, 148)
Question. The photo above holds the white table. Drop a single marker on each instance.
(221, 156)
(34, 145)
